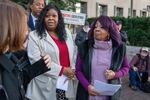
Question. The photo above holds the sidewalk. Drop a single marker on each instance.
(128, 94)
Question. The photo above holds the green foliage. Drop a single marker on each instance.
(23, 3)
(65, 4)
(138, 29)
(62, 4)
(90, 20)
(138, 37)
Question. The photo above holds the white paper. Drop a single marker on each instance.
(105, 88)
(62, 83)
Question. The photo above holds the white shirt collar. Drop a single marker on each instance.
(34, 18)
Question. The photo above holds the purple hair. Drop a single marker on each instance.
(108, 24)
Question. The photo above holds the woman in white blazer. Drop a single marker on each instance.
(50, 37)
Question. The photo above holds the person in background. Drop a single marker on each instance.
(51, 37)
(102, 57)
(35, 8)
(123, 34)
(13, 29)
(82, 35)
(140, 68)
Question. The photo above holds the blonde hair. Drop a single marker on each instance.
(12, 26)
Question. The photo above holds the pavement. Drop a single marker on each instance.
(127, 92)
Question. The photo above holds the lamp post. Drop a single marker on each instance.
(148, 9)
(131, 8)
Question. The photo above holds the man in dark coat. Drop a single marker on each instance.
(82, 35)
(123, 34)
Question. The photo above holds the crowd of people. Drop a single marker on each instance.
(39, 38)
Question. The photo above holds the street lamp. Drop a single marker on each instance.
(148, 9)
(131, 8)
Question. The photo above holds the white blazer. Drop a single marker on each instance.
(43, 87)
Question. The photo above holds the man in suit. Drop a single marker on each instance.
(35, 8)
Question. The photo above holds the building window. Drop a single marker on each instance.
(84, 7)
(101, 9)
(143, 13)
(81, 7)
(148, 9)
(119, 11)
(134, 13)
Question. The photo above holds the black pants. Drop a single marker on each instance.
(60, 94)
(134, 77)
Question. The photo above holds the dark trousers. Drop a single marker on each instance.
(136, 77)
(133, 78)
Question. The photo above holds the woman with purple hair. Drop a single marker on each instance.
(102, 57)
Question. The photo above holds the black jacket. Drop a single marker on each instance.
(124, 36)
(10, 78)
(85, 52)
(81, 37)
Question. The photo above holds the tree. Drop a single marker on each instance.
(62, 4)
(23, 3)
(65, 4)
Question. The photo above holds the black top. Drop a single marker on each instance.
(12, 77)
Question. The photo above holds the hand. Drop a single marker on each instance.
(47, 60)
(92, 91)
(73, 77)
(70, 73)
(109, 74)
(135, 68)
